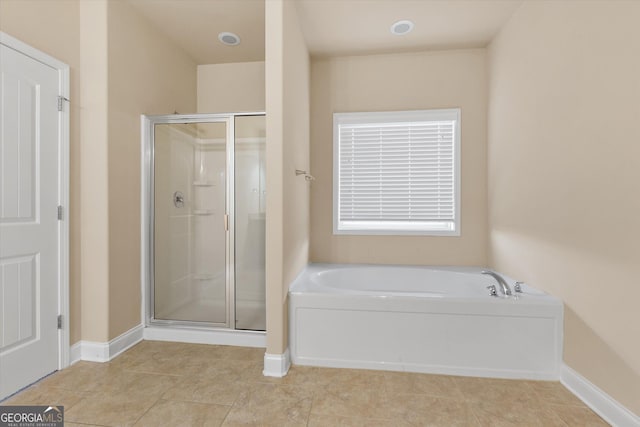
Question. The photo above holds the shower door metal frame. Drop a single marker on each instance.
(148, 123)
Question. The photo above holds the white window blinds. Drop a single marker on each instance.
(396, 172)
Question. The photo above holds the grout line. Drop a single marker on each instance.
(313, 399)
(148, 409)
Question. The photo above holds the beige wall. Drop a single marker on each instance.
(401, 82)
(94, 177)
(148, 74)
(564, 177)
(58, 36)
(296, 106)
(230, 88)
(287, 103)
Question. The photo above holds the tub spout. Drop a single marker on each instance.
(503, 283)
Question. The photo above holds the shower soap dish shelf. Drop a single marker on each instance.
(203, 212)
(204, 184)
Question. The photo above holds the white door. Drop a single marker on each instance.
(29, 194)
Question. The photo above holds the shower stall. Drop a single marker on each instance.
(204, 221)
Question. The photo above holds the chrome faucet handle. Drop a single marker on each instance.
(492, 290)
(518, 287)
(504, 286)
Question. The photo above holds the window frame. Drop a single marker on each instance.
(420, 228)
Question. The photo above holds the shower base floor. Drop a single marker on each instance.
(249, 314)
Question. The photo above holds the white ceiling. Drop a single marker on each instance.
(330, 27)
(362, 26)
(194, 26)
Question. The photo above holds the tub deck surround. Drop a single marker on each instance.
(422, 319)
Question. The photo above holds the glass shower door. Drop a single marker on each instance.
(190, 223)
(250, 208)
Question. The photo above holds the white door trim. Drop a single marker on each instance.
(63, 186)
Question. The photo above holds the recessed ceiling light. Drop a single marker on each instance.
(230, 39)
(401, 28)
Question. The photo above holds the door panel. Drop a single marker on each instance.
(190, 256)
(18, 288)
(18, 168)
(29, 176)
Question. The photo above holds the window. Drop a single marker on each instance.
(397, 172)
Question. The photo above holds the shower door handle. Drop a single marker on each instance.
(226, 222)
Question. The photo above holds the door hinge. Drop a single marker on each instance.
(59, 213)
(59, 321)
(226, 222)
(61, 100)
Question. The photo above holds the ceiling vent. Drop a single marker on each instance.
(230, 39)
(401, 28)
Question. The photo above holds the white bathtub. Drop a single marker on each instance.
(422, 319)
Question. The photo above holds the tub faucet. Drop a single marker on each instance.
(503, 283)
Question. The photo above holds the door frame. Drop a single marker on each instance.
(147, 123)
(63, 185)
(148, 219)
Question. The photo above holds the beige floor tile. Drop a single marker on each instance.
(222, 388)
(350, 379)
(242, 370)
(424, 410)
(412, 383)
(167, 362)
(156, 357)
(139, 351)
(135, 383)
(327, 379)
(333, 421)
(298, 375)
(305, 376)
(576, 416)
(174, 414)
(242, 353)
(197, 351)
(42, 395)
(271, 404)
(206, 351)
(496, 390)
(245, 417)
(162, 346)
(66, 424)
(503, 414)
(161, 383)
(109, 409)
(353, 402)
(129, 358)
(555, 393)
(82, 376)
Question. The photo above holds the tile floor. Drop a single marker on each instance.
(173, 384)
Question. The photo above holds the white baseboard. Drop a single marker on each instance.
(92, 351)
(125, 341)
(604, 405)
(206, 336)
(276, 365)
(75, 353)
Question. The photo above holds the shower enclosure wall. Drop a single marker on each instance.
(206, 222)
